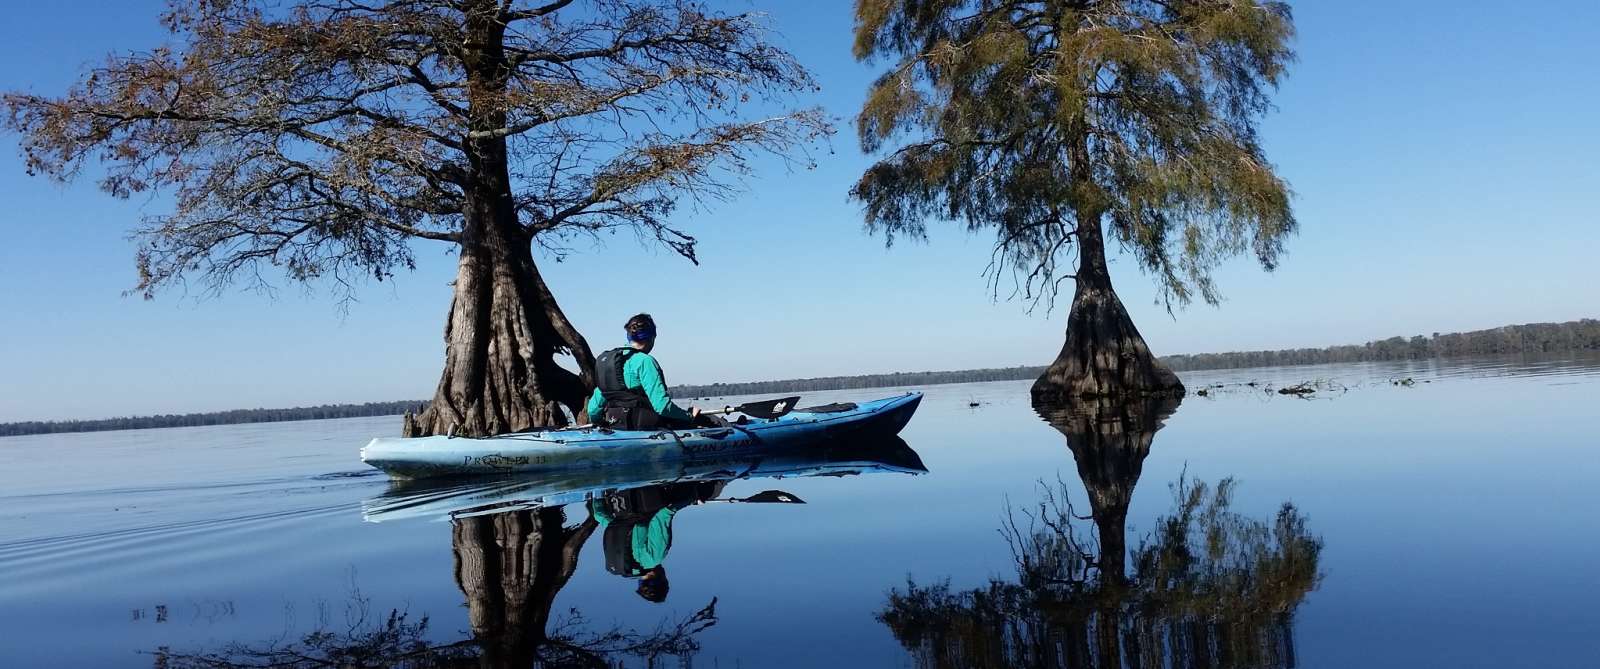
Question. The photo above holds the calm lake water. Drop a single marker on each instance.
(1453, 522)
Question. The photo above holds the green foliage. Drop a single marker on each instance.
(1043, 118)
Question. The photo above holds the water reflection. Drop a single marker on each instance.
(1109, 441)
(1208, 587)
(516, 544)
(637, 526)
(457, 498)
(511, 565)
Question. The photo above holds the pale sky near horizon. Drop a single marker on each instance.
(1442, 155)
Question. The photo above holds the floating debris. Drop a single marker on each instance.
(1312, 389)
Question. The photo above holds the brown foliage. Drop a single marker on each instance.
(321, 136)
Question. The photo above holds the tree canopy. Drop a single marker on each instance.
(320, 136)
(1040, 118)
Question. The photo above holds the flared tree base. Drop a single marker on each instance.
(501, 342)
(1104, 355)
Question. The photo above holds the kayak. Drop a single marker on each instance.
(589, 446)
(463, 497)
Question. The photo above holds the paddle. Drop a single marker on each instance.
(765, 497)
(762, 409)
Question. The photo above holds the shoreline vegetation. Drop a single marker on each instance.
(1579, 335)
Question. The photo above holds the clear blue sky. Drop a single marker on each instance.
(1442, 153)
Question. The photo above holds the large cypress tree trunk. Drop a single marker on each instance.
(501, 339)
(1104, 355)
(504, 328)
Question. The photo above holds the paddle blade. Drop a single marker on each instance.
(769, 408)
(773, 497)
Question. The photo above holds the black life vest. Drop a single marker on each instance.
(625, 408)
(628, 509)
(617, 543)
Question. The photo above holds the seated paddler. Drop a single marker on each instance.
(631, 392)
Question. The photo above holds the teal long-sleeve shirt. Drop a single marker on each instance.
(648, 541)
(643, 372)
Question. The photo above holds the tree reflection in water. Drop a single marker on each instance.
(515, 550)
(510, 566)
(1209, 587)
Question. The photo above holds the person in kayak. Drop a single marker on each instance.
(636, 527)
(631, 391)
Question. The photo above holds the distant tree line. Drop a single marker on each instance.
(1581, 335)
(210, 418)
(861, 381)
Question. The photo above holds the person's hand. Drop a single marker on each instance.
(694, 412)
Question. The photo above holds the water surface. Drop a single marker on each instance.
(1454, 519)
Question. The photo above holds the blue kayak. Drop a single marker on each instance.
(585, 447)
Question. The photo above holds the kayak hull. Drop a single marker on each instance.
(580, 448)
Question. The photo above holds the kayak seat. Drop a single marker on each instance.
(836, 407)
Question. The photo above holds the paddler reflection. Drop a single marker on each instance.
(636, 527)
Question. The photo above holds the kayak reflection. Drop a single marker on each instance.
(516, 544)
(458, 498)
(1208, 587)
(511, 563)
